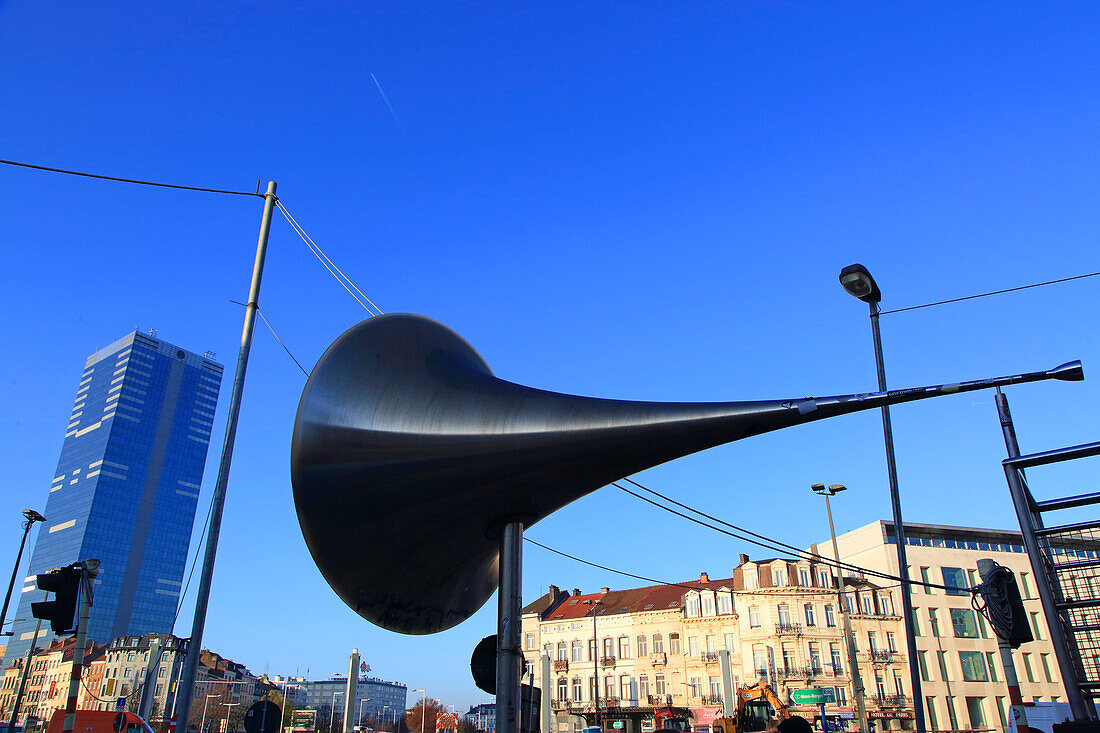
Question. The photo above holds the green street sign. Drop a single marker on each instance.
(617, 724)
(813, 696)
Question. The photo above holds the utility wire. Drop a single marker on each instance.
(610, 570)
(335, 271)
(768, 543)
(992, 292)
(129, 180)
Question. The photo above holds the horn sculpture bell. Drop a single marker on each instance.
(408, 457)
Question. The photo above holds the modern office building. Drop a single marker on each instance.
(375, 699)
(126, 486)
(962, 680)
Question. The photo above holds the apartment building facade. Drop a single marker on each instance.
(635, 651)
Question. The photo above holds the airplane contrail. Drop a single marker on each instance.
(387, 101)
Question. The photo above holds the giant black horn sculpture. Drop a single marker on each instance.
(409, 456)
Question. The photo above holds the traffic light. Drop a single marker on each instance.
(64, 583)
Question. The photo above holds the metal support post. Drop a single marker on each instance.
(544, 699)
(509, 656)
(26, 673)
(899, 533)
(148, 686)
(202, 598)
(853, 664)
(1081, 708)
(89, 569)
(31, 517)
(728, 706)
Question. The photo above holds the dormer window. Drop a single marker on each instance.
(751, 581)
(725, 602)
(691, 605)
(780, 577)
(708, 604)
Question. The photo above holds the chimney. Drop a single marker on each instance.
(742, 559)
(703, 577)
(605, 590)
(576, 591)
(554, 592)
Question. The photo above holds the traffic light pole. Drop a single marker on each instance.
(23, 677)
(89, 569)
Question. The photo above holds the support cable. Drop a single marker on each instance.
(335, 271)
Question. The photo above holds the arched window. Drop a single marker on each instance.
(578, 650)
(563, 689)
(578, 689)
(591, 650)
(608, 647)
(562, 652)
(658, 644)
(624, 647)
(643, 646)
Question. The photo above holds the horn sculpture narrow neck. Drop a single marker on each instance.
(408, 457)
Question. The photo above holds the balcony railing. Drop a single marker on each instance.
(890, 701)
(607, 661)
(788, 628)
(712, 699)
(880, 655)
(561, 665)
(609, 702)
(657, 658)
(709, 656)
(795, 672)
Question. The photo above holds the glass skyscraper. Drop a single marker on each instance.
(126, 486)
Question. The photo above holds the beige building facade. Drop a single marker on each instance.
(659, 647)
(963, 682)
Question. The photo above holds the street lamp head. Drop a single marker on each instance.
(859, 283)
(818, 488)
(837, 488)
(833, 489)
(33, 516)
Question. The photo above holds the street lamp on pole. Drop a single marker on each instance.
(423, 708)
(849, 644)
(365, 699)
(228, 713)
(595, 663)
(859, 284)
(332, 714)
(31, 517)
(206, 702)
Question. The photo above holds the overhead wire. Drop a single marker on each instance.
(129, 180)
(767, 542)
(992, 292)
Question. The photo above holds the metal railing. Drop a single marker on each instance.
(659, 699)
(712, 699)
(561, 665)
(788, 628)
(709, 656)
(880, 655)
(891, 701)
(607, 661)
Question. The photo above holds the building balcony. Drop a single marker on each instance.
(788, 628)
(607, 661)
(712, 699)
(659, 700)
(880, 655)
(709, 657)
(796, 673)
(891, 701)
(561, 665)
(609, 702)
(658, 658)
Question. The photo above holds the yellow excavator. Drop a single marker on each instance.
(754, 706)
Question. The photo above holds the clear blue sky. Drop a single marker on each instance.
(640, 200)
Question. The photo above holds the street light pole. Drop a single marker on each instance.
(423, 708)
(31, 517)
(595, 663)
(853, 663)
(859, 283)
(202, 725)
